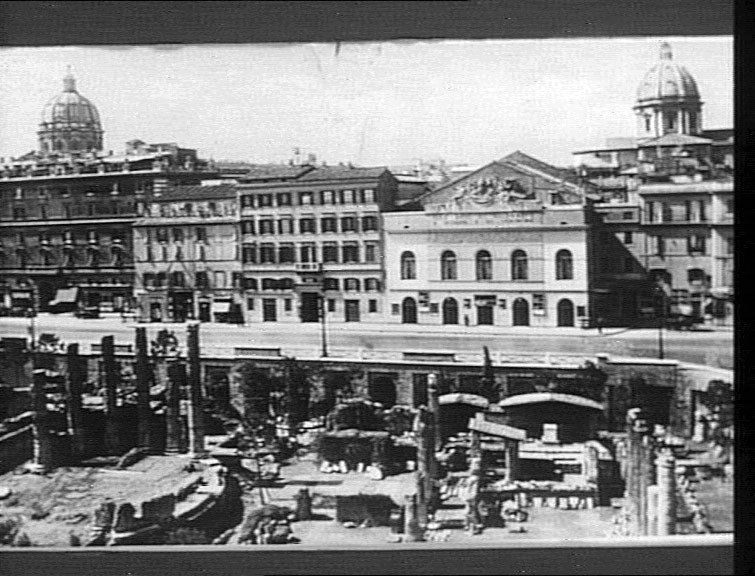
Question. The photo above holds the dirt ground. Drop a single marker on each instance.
(52, 507)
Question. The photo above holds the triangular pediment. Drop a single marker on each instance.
(506, 184)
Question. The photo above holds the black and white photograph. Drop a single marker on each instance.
(437, 294)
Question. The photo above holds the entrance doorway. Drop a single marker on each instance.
(485, 315)
(310, 307)
(204, 311)
(155, 312)
(351, 310)
(450, 311)
(565, 312)
(521, 311)
(269, 310)
(409, 311)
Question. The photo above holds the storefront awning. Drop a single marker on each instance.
(221, 307)
(65, 296)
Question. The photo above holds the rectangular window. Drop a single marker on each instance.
(729, 206)
(330, 252)
(267, 254)
(267, 226)
(627, 215)
(730, 245)
(369, 223)
(305, 198)
(307, 225)
(264, 200)
(287, 304)
(538, 302)
(179, 254)
(283, 199)
(220, 279)
(658, 245)
(178, 235)
(348, 224)
(19, 213)
(350, 253)
(331, 305)
(200, 234)
(368, 195)
(162, 234)
(201, 253)
(164, 253)
(250, 303)
(370, 253)
(249, 254)
(372, 306)
(286, 226)
(347, 197)
(286, 253)
(247, 201)
(150, 256)
(247, 227)
(327, 197)
(330, 284)
(307, 253)
(696, 244)
(236, 279)
(329, 224)
(581, 311)
(651, 212)
(628, 238)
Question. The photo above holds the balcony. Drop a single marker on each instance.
(308, 267)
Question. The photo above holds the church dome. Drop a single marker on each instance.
(70, 122)
(667, 80)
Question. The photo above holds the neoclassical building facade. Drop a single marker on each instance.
(508, 245)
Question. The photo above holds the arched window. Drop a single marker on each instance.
(450, 311)
(519, 265)
(372, 285)
(409, 311)
(484, 265)
(448, 266)
(564, 265)
(408, 266)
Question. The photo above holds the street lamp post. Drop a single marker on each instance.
(661, 320)
(323, 332)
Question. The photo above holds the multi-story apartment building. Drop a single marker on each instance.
(678, 177)
(508, 245)
(66, 211)
(311, 238)
(689, 243)
(186, 254)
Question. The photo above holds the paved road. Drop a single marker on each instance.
(714, 348)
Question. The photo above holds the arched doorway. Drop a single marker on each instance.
(409, 311)
(521, 310)
(450, 311)
(565, 312)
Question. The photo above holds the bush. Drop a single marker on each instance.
(8, 529)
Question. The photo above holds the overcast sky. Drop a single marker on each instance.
(368, 103)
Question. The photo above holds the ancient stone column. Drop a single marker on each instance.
(512, 460)
(412, 530)
(173, 429)
(666, 480)
(141, 369)
(74, 385)
(110, 369)
(433, 404)
(43, 458)
(422, 474)
(196, 398)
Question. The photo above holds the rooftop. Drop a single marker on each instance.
(274, 172)
(343, 173)
(197, 193)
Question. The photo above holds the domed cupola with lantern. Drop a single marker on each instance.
(668, 101)
(70, 123)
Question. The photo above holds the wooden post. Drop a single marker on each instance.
(512, 460)
(173, 428)
(144, 411)
(196, 397)
(665, 464)
(43, 460)
(74, 385)
(112, 441)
